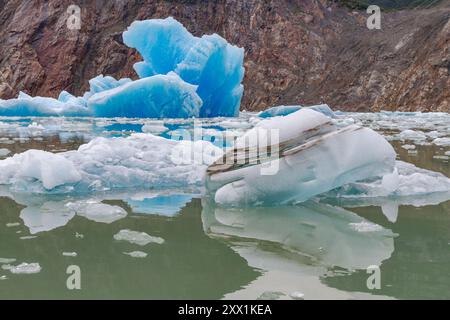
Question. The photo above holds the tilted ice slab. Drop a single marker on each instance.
(138, 161)
(313, 157)
(209, 62)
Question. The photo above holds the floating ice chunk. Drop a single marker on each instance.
(137, 161)
(3, 277)
(52, 170)
(315, 157)
(209, 62)
(285, 110)
(136, 254)
(413, 182)
(447, 153)
(409, 147)
(442, 142)
(4, 152)
(413, 135)
(25, 106)
(70, 254)
(297, 295)
(154, 128)
(12, 224)
(160, 96)
(97, 211)
(26, 268)
(139, 238)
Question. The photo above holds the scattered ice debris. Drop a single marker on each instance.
(97, 211)
(409, 147)
(3, 277)
(365, 226)
(70, 254)
(138, 161)
(4, 152)
(136, 254)
(315, 156)
(413, 135)
(7, 260)
(139, 238)
(297, 295)
(286, 110)
(26, 268)
(12, 224)
(412, 182)
(7, 266)
(442, 142)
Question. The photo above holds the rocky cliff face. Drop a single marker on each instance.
(297, 51)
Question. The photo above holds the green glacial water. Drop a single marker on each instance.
(215, 253)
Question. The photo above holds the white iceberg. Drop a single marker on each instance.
(312, 156)
(137, 161)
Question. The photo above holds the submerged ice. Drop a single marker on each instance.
(182, 76)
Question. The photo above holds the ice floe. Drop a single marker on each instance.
(137, 161)
(135, 237)
(136, 254)
(26, 268)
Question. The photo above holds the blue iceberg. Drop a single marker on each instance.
(286, 110)
(209, 62)
(182, 76)
(164, 96)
